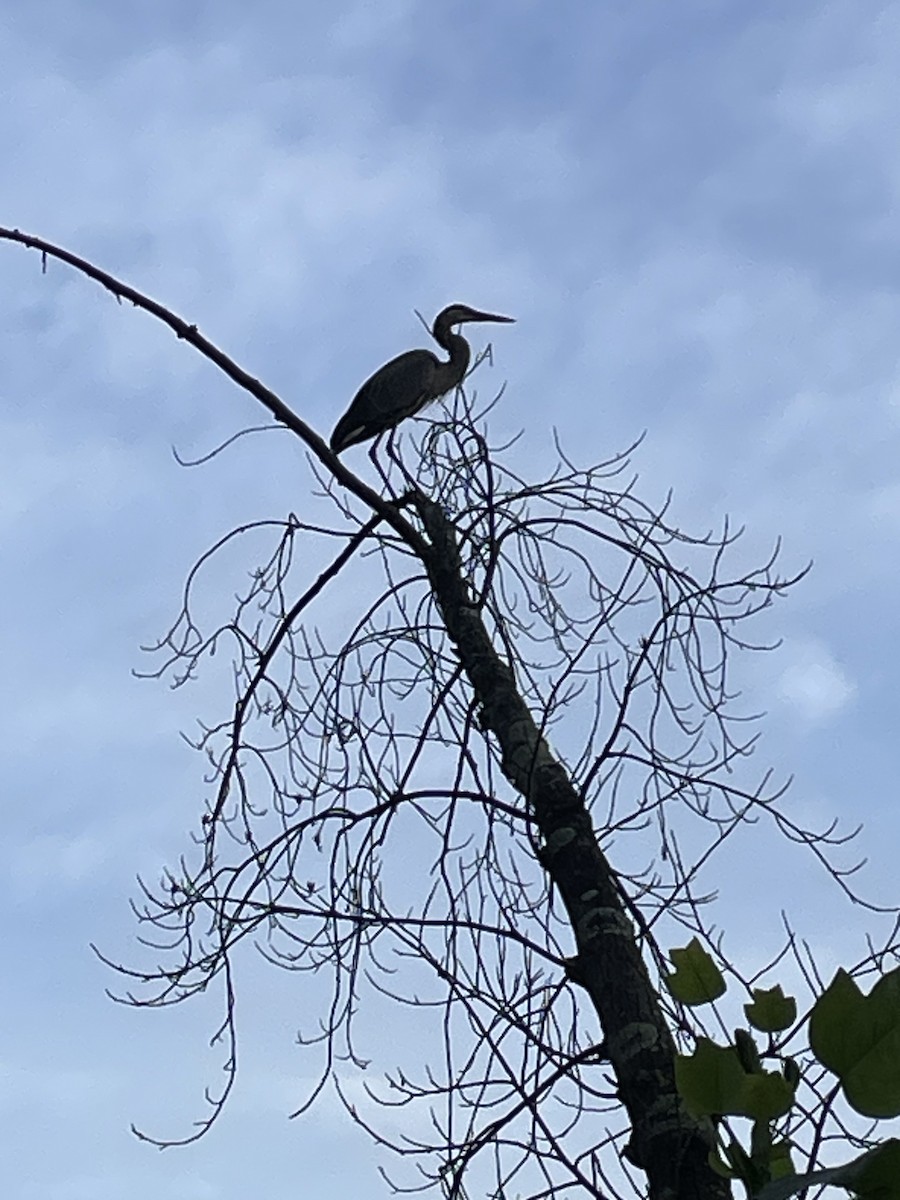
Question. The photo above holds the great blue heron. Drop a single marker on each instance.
(404, 386)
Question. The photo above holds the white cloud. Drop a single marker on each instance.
(813, 684)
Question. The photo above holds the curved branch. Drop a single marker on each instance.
(388, 511)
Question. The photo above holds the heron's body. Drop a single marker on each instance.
(409, 382)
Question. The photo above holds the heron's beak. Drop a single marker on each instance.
(482, 316)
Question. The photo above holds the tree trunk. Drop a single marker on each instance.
(670, 1146)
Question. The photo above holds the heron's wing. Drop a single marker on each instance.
(399, 387)
(397, 390)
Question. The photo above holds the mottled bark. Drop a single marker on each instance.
(666, 1143)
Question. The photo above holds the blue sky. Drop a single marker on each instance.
(691, 211)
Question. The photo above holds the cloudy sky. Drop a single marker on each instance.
(691, 210)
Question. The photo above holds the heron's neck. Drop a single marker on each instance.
(450, 374)
(456, 346)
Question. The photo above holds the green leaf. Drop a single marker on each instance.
(791, 1071)
(858, 1038)
(696, 978)
(737, 1156)
(766, 1096)
(712, 1082)
(719, 1165)
(771, 1011)
(879, 1173)
(780, 1164)
(875, 1175)
(747, 1050)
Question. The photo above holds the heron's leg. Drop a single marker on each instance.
(377, 465)
(394, 455)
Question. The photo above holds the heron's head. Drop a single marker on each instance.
(458, 314)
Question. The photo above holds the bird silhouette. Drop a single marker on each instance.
(409, 382)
